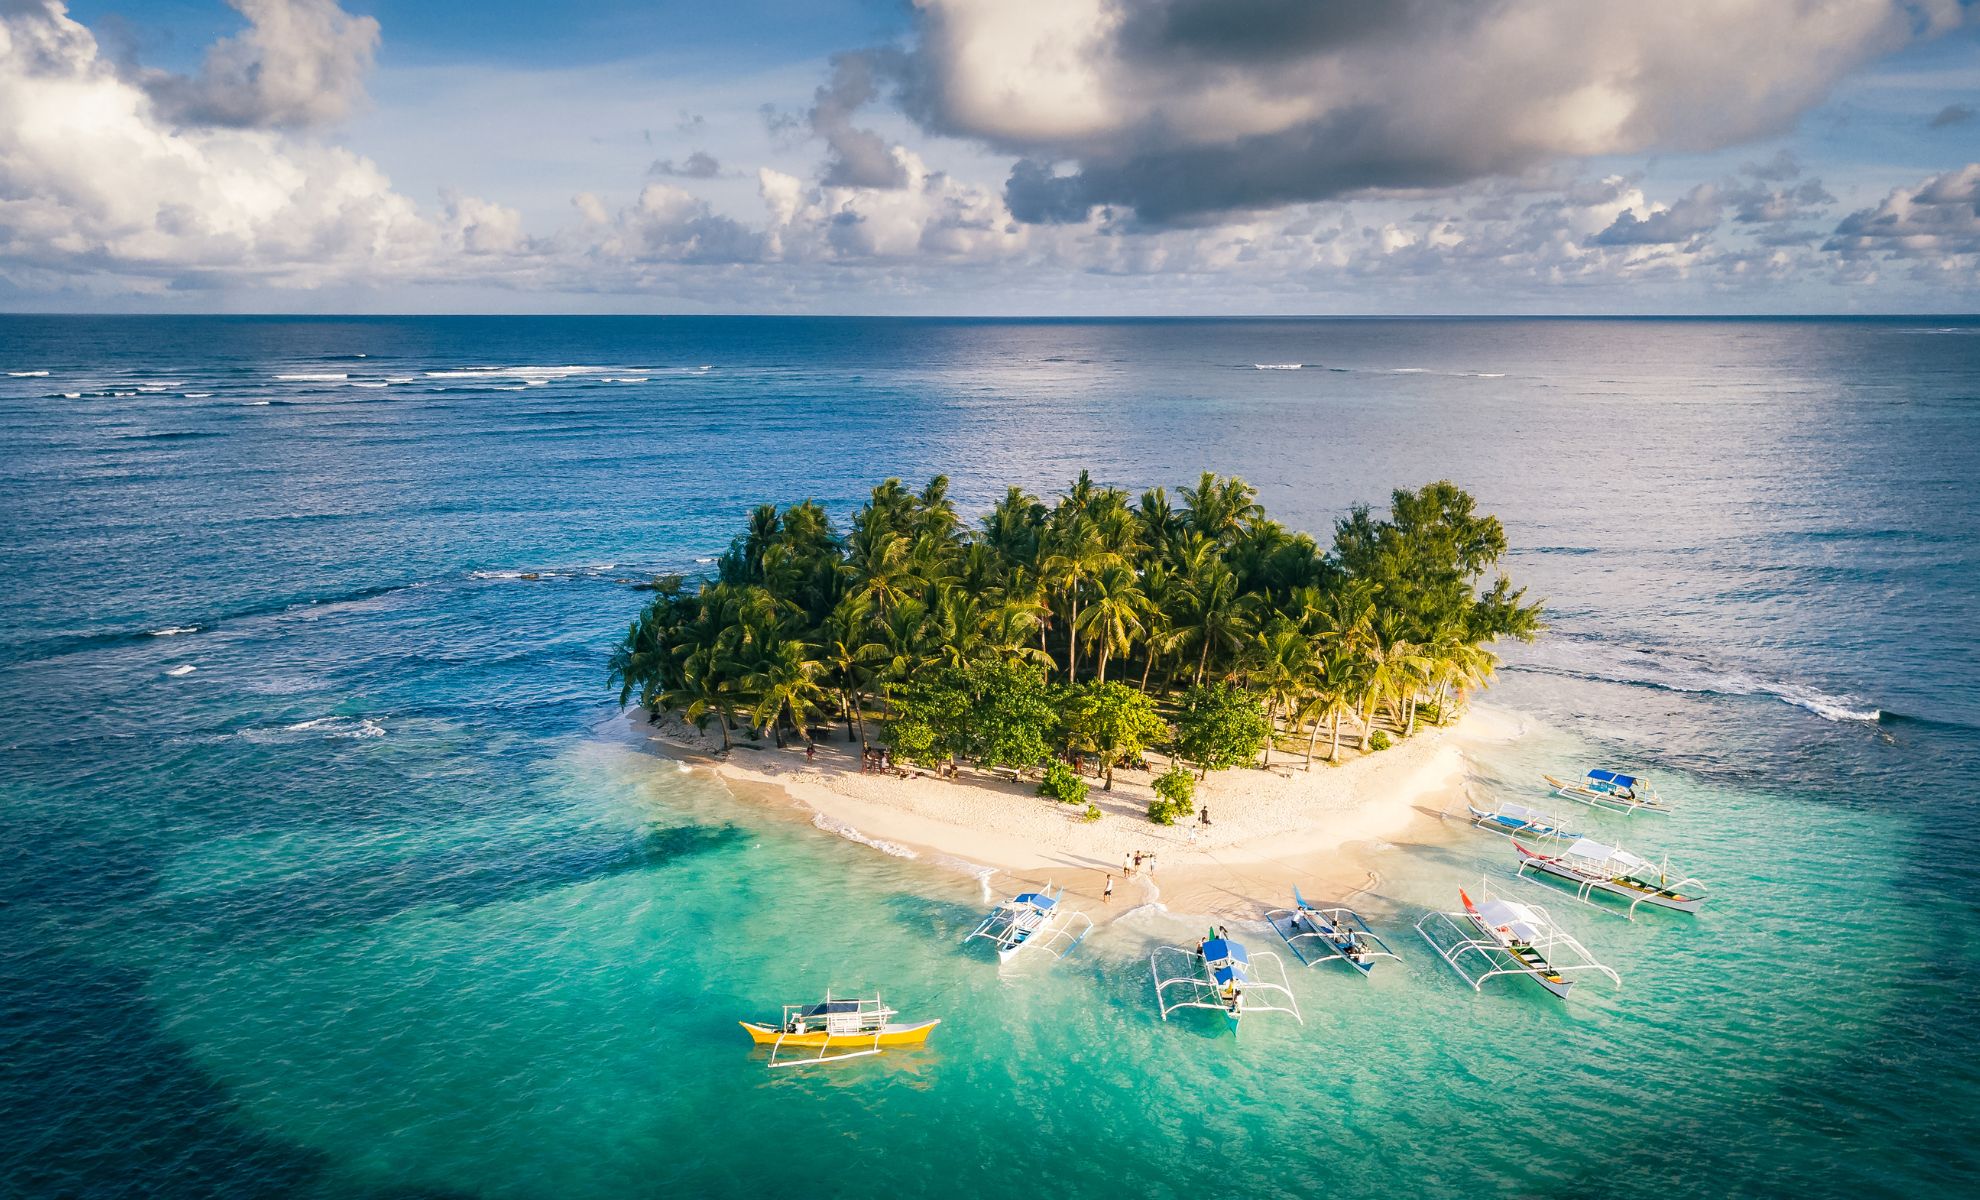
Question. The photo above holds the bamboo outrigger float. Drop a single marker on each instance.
(1033, 919)
(838, 1030)
(1221, 974)
(1593, 866)
(1495, 936)
(1316, 935)
(1611, 790)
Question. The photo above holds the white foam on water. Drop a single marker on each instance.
(257, 403)
(624, 379)
(197, 395)
(315, 377)
(339, 727)
(71, 395)
(183, 669)
(174, 630)
(1277, 366)
(369, 383)
(830, 825)
(28, 374)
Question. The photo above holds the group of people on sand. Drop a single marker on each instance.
(1131, 865)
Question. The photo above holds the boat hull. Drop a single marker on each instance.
(1582, 794)
(1683, 904)
(892, 1035)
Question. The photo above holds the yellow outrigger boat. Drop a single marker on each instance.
(837, 1029)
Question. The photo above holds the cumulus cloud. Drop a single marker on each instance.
(94, 177)
(1939, 219)
(855, 157)
(298, 63)
(1184, 108)
(1694, 215)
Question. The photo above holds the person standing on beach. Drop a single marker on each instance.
(1107, 897)
(1127, 865)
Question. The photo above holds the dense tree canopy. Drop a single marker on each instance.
(1084, 624)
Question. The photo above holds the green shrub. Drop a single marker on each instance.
(1062, 784)
(1161, 811)
(1178, 787)
(1092, 814)
(1379, 740)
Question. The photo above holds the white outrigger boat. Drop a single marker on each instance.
(1612, 790)
(1316, 935)
(1593, 866)
(1496, 936)
(838, 1030)
(1221, 974)
(1031, 919)
(1510, 818)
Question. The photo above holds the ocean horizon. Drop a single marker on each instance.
(334, 869)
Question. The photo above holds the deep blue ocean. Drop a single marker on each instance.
(329, 871)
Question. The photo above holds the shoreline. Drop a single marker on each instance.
(1272, 828)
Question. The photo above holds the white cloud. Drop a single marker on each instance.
(299, 63)
(1181, 108)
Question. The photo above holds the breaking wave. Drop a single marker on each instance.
(1691, 675)
(181, 670)
(833, 825)
(174, 630)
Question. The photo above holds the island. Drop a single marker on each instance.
(1058, 687)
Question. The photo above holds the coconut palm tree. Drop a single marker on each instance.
(847, 653)
(1077, 553)
(1279, 662)
(1217, 617)
(1113, 616)
(785, 684)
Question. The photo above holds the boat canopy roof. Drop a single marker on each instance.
(1510, 915)
(1520, 811)
(1218, 950)
(1592, 849)
(828, 1007)
(1615, 777)
(1035, 899)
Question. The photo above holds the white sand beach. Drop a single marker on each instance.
(1270, 828)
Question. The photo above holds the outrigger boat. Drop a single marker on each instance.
(1495, 936)
(1612, 790)
(1592, 866)
(1033, 919)
(1316, 935)
(1221, 974)
(1509, 818)
(837, 1029)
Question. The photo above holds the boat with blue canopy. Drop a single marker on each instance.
(1317, 935)
(1223, 975)
(1033, 920)
(1611, 790)
(1509, 818)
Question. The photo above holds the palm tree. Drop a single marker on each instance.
(1077, 555)
(702, 692)
(1395, 670)
(1280, 664)
(1115, 612)
(785, 683)
(879, 566)
(1218, 508)
(1335, 684)
(846, 653)
(1216, 618)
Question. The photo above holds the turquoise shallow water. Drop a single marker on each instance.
(377, 901)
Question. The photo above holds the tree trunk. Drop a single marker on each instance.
(1203, 660)
(1072, 640)
(1334, 750)
(1310, 739)
(1104, 648)
(1269, 725)
(1109, 785)
(1411, 729)
(724, 718)
(1146, 668)
(852, 706)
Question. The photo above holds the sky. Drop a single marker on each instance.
(991, 157)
